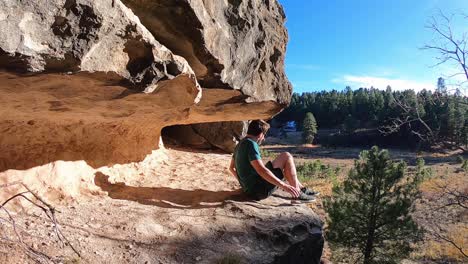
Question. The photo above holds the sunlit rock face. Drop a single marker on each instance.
(231, 44)
(98, 80)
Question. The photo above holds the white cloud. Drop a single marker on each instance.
(382, 83)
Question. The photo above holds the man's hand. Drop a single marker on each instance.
(291, 190)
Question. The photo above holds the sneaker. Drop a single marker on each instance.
(305, 197)
(308, 191)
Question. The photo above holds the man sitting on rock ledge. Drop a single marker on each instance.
(258, 180)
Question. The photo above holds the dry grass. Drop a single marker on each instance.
(453, 221)
(431, 249)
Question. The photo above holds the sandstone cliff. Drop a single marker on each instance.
(98, 80)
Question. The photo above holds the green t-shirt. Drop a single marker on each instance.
(246, 151)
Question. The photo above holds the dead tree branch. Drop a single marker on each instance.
(456, 196)
(451, 48)
(48, 210)
(410, 116)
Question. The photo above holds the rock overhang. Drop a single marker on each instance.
(90, 80)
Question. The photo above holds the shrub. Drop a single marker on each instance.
(316, 169)
(268, 154)
(422, 173)
(465, 166)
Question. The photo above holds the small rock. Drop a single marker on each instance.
(198, 258)
(128, 246)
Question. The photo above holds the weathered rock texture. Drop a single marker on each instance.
(232, 44)
(174, 207)
(89, 80)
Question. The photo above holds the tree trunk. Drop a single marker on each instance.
(369, 246)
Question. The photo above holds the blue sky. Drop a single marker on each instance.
(334, 43)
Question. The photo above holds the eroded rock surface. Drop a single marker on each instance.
(184, 208)
(105, 81)
(236, 44)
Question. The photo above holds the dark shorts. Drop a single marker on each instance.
(262, 188)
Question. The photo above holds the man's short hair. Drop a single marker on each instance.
(258, 126)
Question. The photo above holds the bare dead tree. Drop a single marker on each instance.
(48, 210)
(449, 196)
(436, 231)
(451, 48)
(411, 116)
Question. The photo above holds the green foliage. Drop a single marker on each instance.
(351, 124)
(370, 213)
(316, 169)
(464, 166)
(421, 172)
(267, 154)
(445, 114)
(309, 128)
(460, 159)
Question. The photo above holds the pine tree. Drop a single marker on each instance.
(309, 128)
(441, 88)
(370, 213)
(459, 124)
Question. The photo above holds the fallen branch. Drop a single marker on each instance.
(49, 211)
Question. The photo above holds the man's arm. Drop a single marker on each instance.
(232, 168)
(266, 174)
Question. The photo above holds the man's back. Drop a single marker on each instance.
(246, 151)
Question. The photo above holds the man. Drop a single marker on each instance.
(258, 180)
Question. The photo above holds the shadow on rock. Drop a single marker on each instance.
(167, 197)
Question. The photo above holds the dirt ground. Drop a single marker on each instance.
(185, 208)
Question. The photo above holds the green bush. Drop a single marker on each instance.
(315, 169)
(422, 172)
(460, 159)
(268, 154)
(465, 166)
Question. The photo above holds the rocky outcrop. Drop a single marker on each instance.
(176, 206)
(98, 80)
(230, 44)
(81, 35)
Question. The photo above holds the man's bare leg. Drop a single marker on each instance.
(285, 162)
